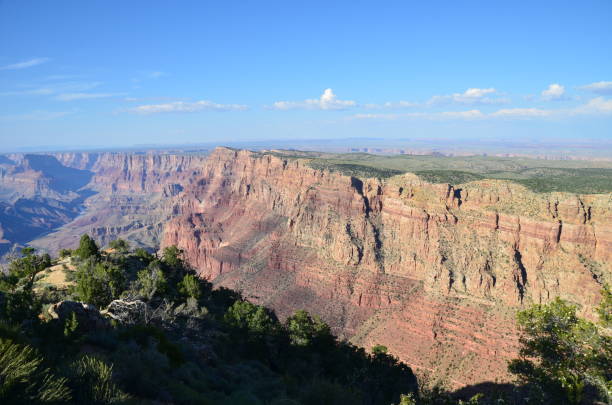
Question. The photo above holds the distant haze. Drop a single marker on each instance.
(546, 149)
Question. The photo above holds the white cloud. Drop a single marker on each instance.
(394, 116)
(445, 115)
(478, 93)
(554, 92)
(327, 101)
(85, 96)
(25, 64)
(375, 116)
(470, 96)
(391, 105)
(599, 87)
(595, 106)
(464, 115)
(522, 113)
(467, 115)
(153, 99)
(598, 105)
(182, 106)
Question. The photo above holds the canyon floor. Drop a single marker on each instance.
(431, 256)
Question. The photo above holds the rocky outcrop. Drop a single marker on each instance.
(432, 271)
(87, 316)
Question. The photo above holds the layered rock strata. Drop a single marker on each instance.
(432, 271)
(130, 196)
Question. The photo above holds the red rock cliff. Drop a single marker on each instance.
(434, 272)
(123, 172)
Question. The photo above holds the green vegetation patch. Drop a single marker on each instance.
(166, 336)
(448, 176)
(539, 175)
(582, 181)
(355, 170)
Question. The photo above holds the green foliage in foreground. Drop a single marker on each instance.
(99, 283)
(87, 248)
(305, 329)
(188, 343)
(564, 358)
(24, 379)
(92, 381)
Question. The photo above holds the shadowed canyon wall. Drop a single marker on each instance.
(104, 194)
(133, 196)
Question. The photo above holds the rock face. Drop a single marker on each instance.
(434, 272)
(37, 195)
(87, 316)
(134, 172)
(129, 195)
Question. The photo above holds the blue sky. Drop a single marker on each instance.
(119, 73)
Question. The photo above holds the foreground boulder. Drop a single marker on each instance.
(87, 315)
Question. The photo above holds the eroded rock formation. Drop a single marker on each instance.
(130, 196)
(434, 272)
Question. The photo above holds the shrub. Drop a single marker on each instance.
(93, 383)
(119, 245)
(19, 306)
(190, 286)
(144, 256)
(304, 329)
(24, 380)
(561, 354)
(22, 272)
(605, 307)
(63, 253)
(99, 283)
(247, 316)
(173, 257)
(407, 400)
(70, 326)
(151, 281)
(379, 349)
(87, 248)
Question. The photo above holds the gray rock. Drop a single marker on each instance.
(87, 315)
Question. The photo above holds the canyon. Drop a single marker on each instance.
(433, 271)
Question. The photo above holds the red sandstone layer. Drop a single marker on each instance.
(432, 272)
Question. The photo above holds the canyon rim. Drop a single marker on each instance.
(433, 271)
